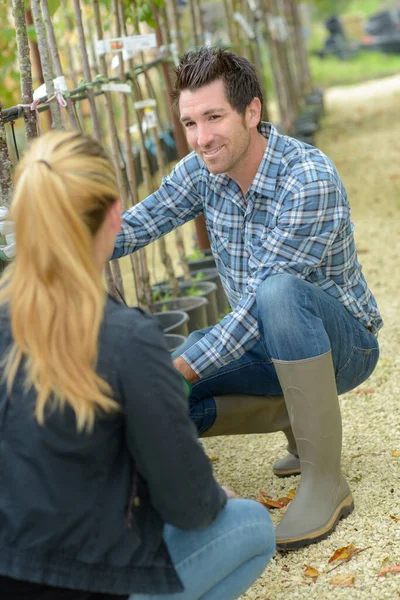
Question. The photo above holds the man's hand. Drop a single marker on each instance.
(182, 366)
(230, 494)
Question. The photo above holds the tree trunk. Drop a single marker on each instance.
(5, 166)
(86, 70)
(24, 61)
(46, 64)
(51, 39)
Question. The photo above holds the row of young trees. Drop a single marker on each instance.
(107, 66)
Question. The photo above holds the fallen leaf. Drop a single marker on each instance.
(363, 391)
(213, 458)
(343, 553)
(284, 501)
(343, 580)
(311, 572)
(394, 517)
(389, 569)
(268, 502)
(395, 452)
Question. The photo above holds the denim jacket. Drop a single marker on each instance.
(86, 511)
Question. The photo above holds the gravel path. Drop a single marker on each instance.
(361, 133)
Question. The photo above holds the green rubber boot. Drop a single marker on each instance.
(289, 465)
(323, 496)
(239, 413)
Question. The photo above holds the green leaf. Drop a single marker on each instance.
(53, 6)
(31, 31)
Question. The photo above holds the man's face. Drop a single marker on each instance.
(215, 130)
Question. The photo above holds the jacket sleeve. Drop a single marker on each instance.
(160, 435)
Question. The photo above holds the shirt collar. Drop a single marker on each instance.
(265, 179)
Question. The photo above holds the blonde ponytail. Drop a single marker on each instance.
(64, 185)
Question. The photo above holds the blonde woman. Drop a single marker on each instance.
(104, 488)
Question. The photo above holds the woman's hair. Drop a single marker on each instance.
(64, 185)
(208, 64)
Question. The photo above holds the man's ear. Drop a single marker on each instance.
(114, 215)
(253, 112)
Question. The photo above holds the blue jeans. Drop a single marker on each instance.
(222, 561)
(296, 320)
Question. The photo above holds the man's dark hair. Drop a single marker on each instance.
(203, 66)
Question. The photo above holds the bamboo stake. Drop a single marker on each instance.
(229, 22)
(165, 29)
(290, 59)
(301, 50)
(5, 166)
(164, 255)
(194, 24)
(175, 25)
(24, 62)
(46, 64)
(38, 78)
(86, 70)
(113, 133)
(51, 40)
(138, 260)
(285, 108)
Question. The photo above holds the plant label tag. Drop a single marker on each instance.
(125, 88)
(133, 43)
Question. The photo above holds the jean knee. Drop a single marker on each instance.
(256, 517)
(277, 292)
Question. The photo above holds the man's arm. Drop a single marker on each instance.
(175, 202)
(305, 231)
(188, 373)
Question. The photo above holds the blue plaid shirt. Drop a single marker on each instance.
(294, 218)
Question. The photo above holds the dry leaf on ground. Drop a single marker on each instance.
(311, 572)
(213, 458)
(362, 391)
(343, 553)
(389, 569)
(267, 501)
(343, 580)
(394, 517)
(395, 452)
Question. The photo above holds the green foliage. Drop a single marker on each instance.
(199, 276)
(193, 291)
(54, 5)
(9, 92)
(326, 8)
(196, 255)
(364, 65)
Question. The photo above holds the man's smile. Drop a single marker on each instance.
(211, 152)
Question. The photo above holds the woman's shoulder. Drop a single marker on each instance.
(129, 324)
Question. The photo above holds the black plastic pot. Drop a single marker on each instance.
(201, 263)
(213, 275)
(206, 289)
(174, 341)
(173, 321)
(194, 306)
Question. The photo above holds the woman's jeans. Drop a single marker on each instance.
(222, 561)
(297, 320)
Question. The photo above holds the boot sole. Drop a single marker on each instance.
(343, 511)
(288, 473)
